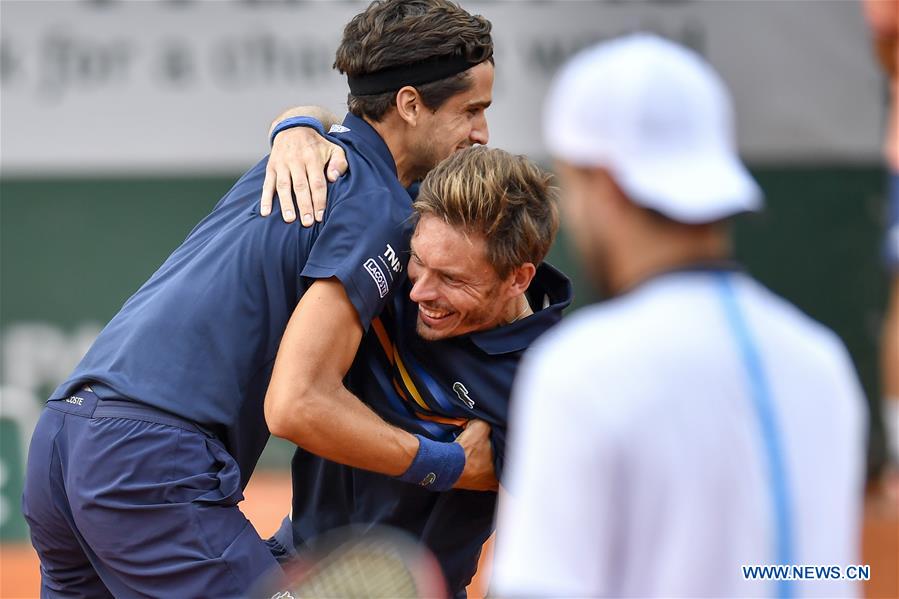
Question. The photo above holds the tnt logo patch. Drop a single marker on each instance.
(377, 275)
(392, 259)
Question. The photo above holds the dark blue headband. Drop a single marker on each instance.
(415, 73)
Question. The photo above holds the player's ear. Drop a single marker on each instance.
(521, 278)
(409, 105)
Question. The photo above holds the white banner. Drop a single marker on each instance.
(109, 86)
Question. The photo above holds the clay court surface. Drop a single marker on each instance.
(268, 497)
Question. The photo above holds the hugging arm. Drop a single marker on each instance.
(307, 402)
(297, 167)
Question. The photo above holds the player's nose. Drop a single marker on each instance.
(423, 289)
(480, 132)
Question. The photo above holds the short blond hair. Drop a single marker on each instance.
(506, 198)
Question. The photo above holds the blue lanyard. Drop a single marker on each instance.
(762, 399)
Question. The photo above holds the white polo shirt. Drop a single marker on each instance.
(663, 439)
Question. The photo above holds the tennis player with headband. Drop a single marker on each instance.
(138, 463)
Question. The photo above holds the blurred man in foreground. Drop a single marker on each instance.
(695, 423)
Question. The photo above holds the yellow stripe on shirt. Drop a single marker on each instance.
(381, 333)
(407, 382)
(394, 357)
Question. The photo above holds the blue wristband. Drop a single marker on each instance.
(297, 121)
(437, 466)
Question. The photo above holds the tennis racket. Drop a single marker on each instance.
(359, 562)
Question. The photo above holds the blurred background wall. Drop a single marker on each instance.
(122, 123)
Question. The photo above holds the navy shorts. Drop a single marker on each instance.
(123, 500)
(281, 543)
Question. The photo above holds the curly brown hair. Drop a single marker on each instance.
(391, 33)
(507, 199)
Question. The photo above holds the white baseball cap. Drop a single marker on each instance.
(660, 120)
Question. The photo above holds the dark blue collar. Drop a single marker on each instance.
(370, 137)
(550, 285)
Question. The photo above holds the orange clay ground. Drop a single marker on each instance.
(268, 496)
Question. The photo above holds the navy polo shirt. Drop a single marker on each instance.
(199, 338)
(431, 388)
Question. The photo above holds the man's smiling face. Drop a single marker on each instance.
(459, 123)
(457, 290)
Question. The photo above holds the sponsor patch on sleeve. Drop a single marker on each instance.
(377, 275)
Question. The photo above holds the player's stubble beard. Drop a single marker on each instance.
(595, 260)
(428, 154)
(590, 247)
(483, 317)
